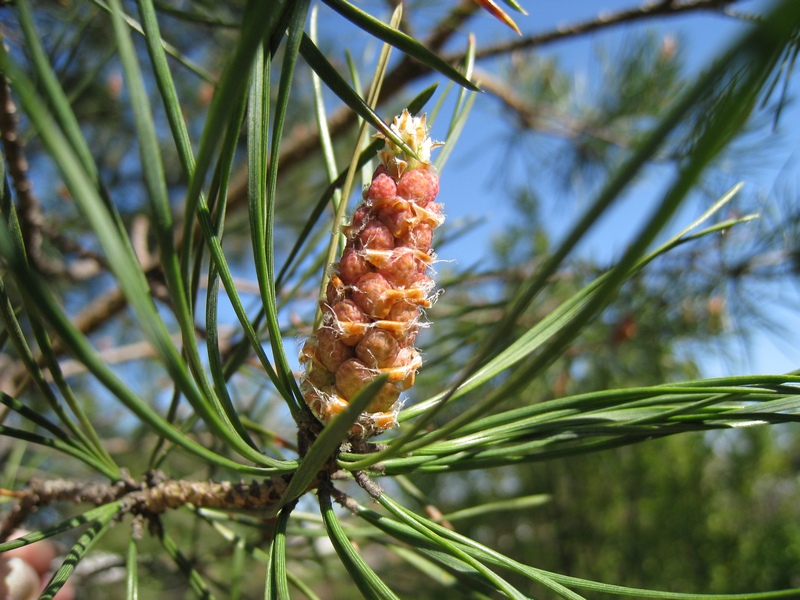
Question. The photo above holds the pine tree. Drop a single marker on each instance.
(161, 420)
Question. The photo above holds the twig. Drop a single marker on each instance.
(150, 498)
(369, 486)
(341, 498)
(602, 21)
(29, 210)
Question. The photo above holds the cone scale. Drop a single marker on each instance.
(377, 291)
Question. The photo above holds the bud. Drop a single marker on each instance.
(378, 288)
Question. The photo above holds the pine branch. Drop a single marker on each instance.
(603, 21)
(153, 496)
(29, 210)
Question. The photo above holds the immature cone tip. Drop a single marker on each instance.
(378, 289)
(413, 131)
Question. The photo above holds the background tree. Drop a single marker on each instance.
(172, 175)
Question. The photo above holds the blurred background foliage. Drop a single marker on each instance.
(713, 512)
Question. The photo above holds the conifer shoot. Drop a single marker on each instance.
(377, 291)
